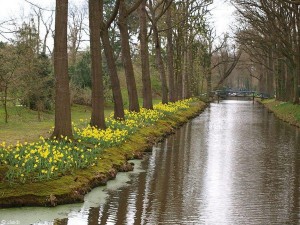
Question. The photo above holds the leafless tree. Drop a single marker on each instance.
(157, 10)
(109, 54)
(124, 13)
(147, 90)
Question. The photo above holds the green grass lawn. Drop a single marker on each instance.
(23, 124)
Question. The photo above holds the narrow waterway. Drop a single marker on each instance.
(235, 164)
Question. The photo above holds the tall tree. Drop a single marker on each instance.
(156, 12)
(179, 62)
(97, 118)
(147, 90)
(124, 13)
(62, 125)
(109, 54)
(170, 55)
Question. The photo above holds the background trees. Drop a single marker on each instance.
(152, 49)
(9, 61)
(120, 41)
(269, 33)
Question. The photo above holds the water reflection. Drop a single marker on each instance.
(235, 164)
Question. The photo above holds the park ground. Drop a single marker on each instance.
(24, 126)
(73, 185)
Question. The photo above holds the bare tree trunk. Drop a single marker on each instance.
(62, 126)
(40, 108)
(186, 74)
(5, 104)
(261, 82)
(296, 84)
(112, 68)
(185, 43)
(45, 42)
(270, 77)
(147, 90)
(191, 79)
(76, 16)
(178, 65)
(280, 95)
(126, 58)
(157, 42)
(38, 31)
(160, 64)
(289, 83)
(115, 83)
(202, 85)
(47, 28)
(170, 56)
(97, 117)
(208, 83)
(197, 78)
(265, 82)
(297, 56)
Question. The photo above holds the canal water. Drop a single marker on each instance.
(235, 164)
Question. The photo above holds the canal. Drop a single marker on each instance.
(234, 164)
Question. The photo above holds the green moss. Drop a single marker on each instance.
(71, 188)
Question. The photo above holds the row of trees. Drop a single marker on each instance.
(177, 34)
(170, 39)
(99, 25)
(269, 34)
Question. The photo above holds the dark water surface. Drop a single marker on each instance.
(235, 164)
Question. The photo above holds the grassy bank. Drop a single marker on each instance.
(72, 186)
(23, 124)
(285, 111)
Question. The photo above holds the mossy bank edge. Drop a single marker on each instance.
(72, 188)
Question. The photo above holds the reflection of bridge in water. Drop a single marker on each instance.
(225, 94)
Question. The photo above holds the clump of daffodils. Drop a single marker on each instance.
(46, 159)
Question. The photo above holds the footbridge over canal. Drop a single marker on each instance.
(225, 94)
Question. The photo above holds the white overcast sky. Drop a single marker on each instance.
(16, 7)
(222, 15)
(221, 11)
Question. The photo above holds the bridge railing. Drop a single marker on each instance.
(234, 93)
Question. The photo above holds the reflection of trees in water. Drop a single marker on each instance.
(151, 196)
(201, 173)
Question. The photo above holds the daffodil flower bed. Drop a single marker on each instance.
(50, 158)
(45, 159)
